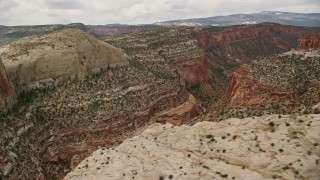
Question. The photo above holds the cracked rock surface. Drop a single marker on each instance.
(267, 147)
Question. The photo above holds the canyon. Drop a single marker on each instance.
(102, 93)
(231, 47)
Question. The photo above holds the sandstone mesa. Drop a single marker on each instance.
(61, 54)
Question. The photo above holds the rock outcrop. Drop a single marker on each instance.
(309, 41)
(268, 147)
(290, 77)
(61, 54)
(183, 113)
(193, 71)
(7, 92)
(244, 90)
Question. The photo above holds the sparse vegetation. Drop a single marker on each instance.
(115, 102)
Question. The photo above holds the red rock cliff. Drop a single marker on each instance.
(182, 113)
(309, 41)
(244, 90)
(235, 45)
(193, 71)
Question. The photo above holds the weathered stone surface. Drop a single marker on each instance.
(268, 147)
(7, 93)
(64, 53)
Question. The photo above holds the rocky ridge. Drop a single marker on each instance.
(267, 147)
(120, 29)
(296, 19)
(229, 47)
(34, 60)
(292, 76)
(244, 90)
(10, 34)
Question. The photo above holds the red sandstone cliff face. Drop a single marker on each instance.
(193, 71)
(183, 113)
(236, 45)
(113, 131)
(309, 41)
(226, 48)
(243, 90)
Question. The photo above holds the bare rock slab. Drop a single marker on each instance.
(268, 147)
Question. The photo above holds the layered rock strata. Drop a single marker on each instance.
(290, 77)
(309, 41)
(232, 46)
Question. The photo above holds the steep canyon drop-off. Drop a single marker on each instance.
(167, 75)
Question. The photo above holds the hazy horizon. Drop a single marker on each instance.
(98, 12)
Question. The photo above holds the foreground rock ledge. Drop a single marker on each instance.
(268, 147)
